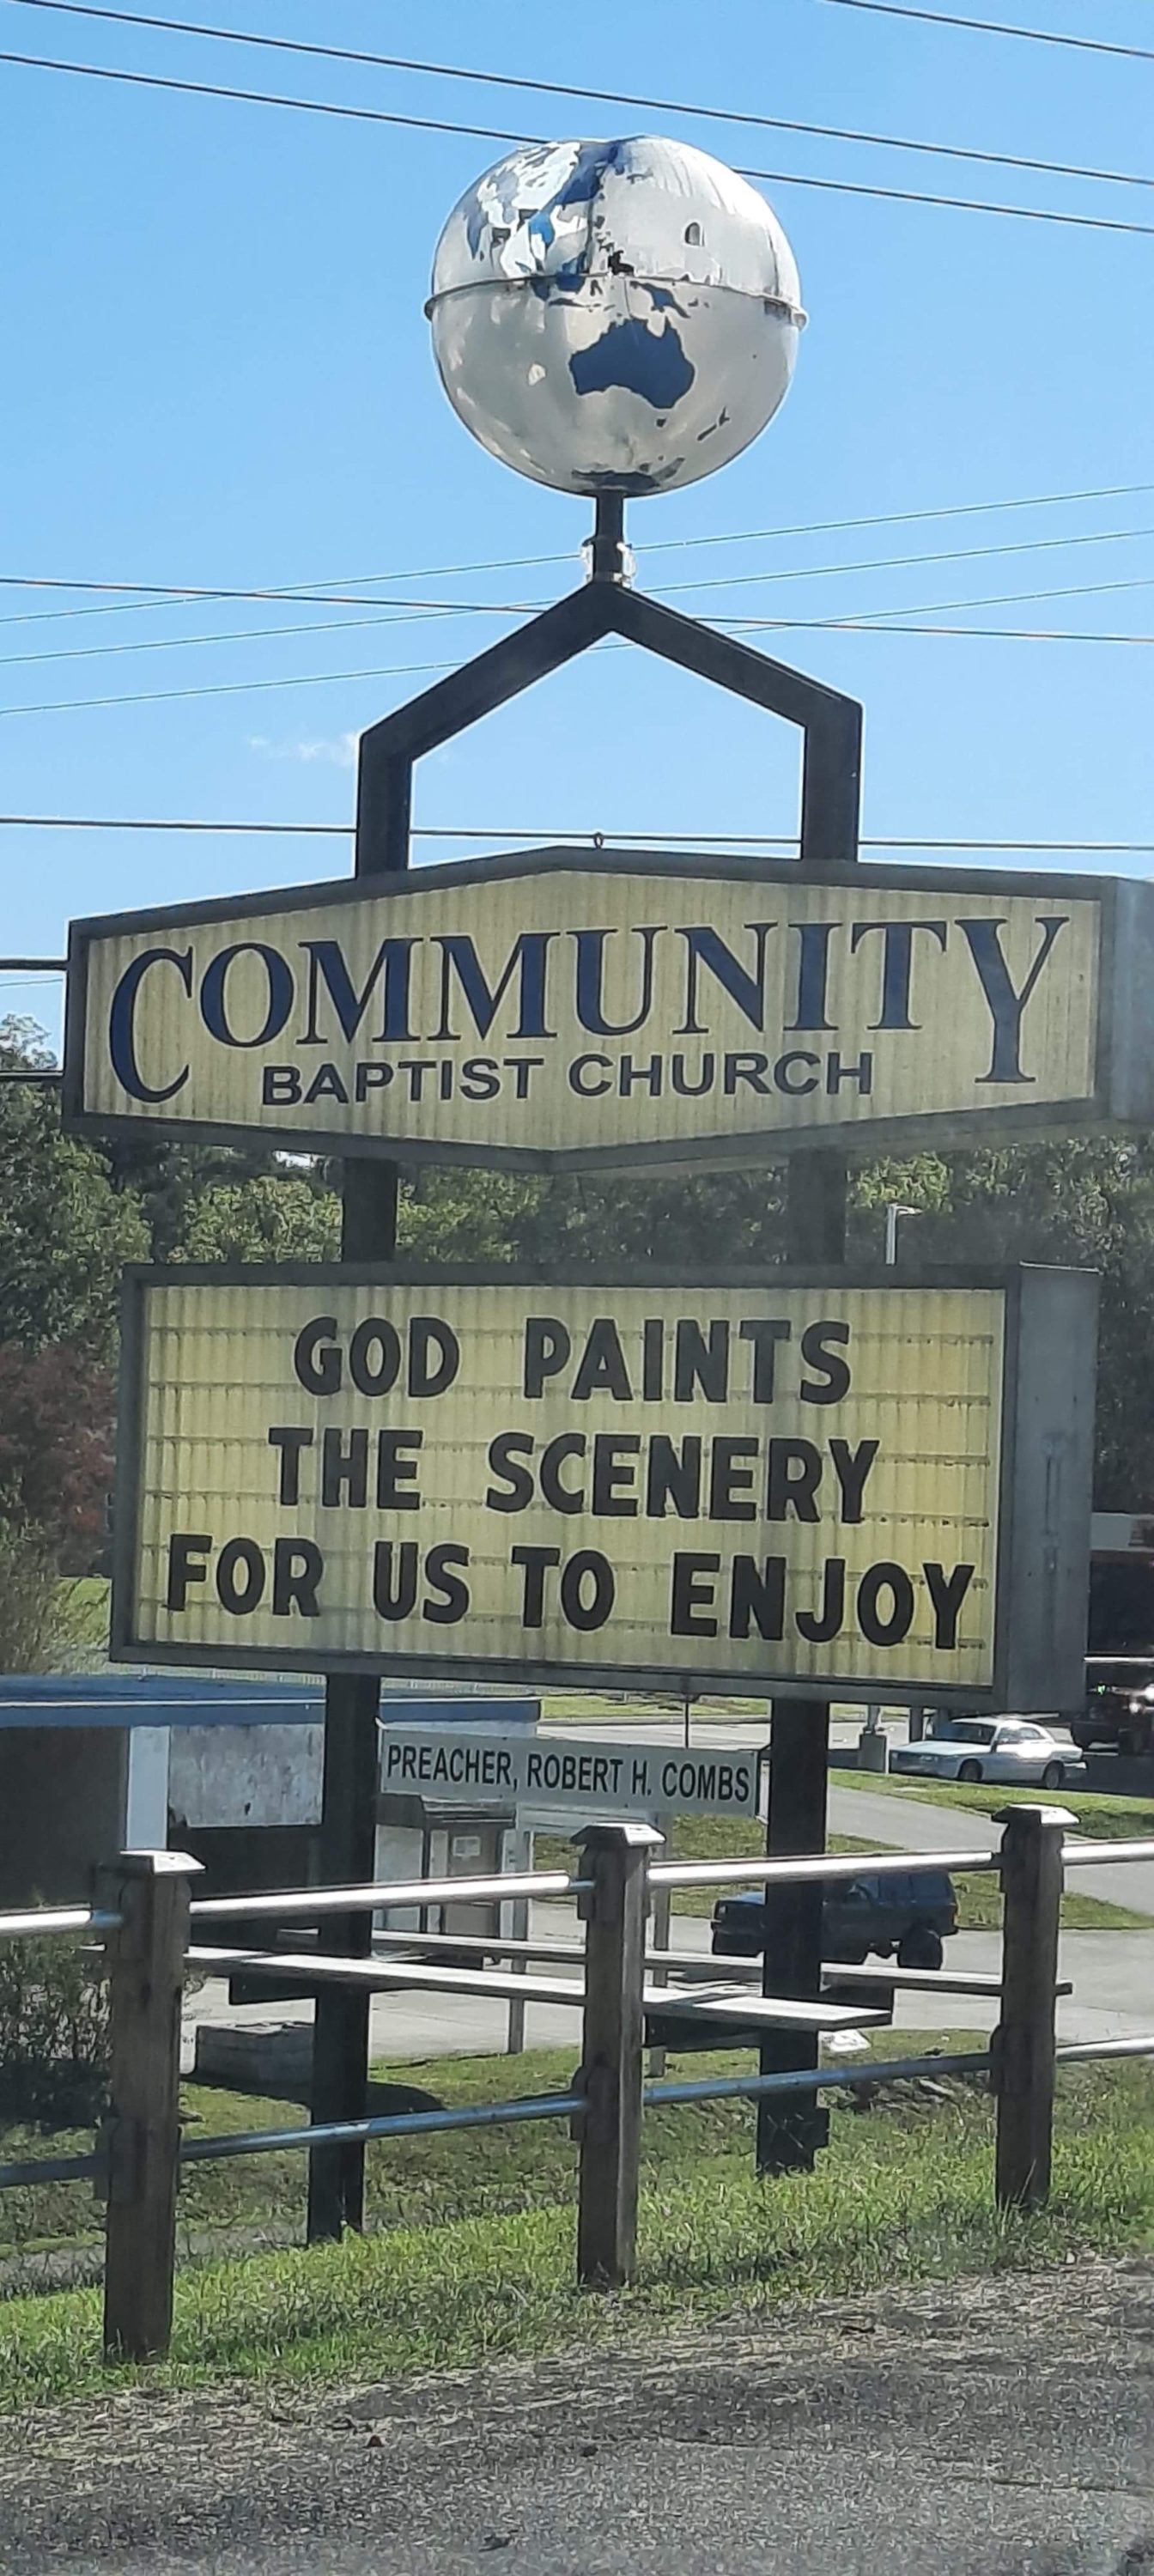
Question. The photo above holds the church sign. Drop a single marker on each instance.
(848, 1488)
(571, 1009)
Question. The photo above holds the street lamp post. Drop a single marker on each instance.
(872, 1751)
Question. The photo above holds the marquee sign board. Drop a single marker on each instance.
(878, 1488)
(584, 1773)
(562, 1008)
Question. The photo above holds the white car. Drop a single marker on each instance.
(1005, 1749)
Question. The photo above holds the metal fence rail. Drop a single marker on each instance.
(145, 1927)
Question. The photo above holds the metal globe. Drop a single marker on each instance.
(614, 317)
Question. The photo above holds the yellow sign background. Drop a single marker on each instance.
(216, 1373)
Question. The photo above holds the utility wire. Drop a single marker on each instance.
(568, 89)
(170, 593)
(727, 581)
(868, 624)
(503, 134)
(472, 832)
(998, 27)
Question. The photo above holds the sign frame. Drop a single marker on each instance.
(1042, 1562)
(1123, 1086)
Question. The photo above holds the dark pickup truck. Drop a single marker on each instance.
(913, 1912)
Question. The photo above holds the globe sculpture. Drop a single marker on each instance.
(614, 317)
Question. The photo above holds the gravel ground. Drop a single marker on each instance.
(996, 2429)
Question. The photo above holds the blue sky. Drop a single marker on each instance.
(217, 372)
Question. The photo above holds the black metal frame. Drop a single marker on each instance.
(528, 1671)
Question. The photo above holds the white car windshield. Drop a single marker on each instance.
(961, 1730)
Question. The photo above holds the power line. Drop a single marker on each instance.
(488, 832)
(728, 581)
(568, 89)
(998, 27)
(864, 625)
(502, 134)
(173, 593)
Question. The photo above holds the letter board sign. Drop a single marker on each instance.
(564, 1771)
(563, 1008)
(877, 1488)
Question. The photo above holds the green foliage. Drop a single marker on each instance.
(273, 1217)
(65, 1231)
(53, 2034)
(45, 1625)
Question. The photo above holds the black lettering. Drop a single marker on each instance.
(344, 1473)
(792, 1479)
(522, 1068)
(680, 1082)
(374, 1376)
(947, 1593)
(757, 1597)
(434, 1355)
(318, 1369)
(837, 1072)
(395, 1578)
(535, 1563)
(753, 1069)
(371, 1077)
(615, 1474)
(589, 1566)
(700, 1361)
(816, 1353)
(705, 947)
(396, 1473)
(894, 1580)
(602, 1369)
(290, 1441)
(561, 1498)
(581, 1066)
(795, 1085)
(240, 1574)
(851, 1467)
(480, 1079)
(765, 1336)
(692, 1594)
(327, 1084)
(652, 1355)
(297, 1567)
(188, 1554)
(547, 1348)
(280, 1086)
(729, 1480)
(504, 1451)
(821, 1625)
(633, 1075)
(673, 1475)
(450, 1597)
(327, 966)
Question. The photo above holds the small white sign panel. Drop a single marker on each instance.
(597, 1777)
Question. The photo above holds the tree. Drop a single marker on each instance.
(56, 1448)
(272, 1218)
(65, 1231)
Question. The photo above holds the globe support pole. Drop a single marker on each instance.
(608, 561)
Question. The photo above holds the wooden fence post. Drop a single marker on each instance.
(616, 1858)
(146, 1958)
(1023, 2045)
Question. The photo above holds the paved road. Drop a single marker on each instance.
(1003, 2429)
(913, 1824)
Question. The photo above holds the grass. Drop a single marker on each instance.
(1102, 1816)
(741, 1837)
(903, 2194)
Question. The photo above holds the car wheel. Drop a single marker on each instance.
(1053, 1776)
(969, 1771)
(920, 1947)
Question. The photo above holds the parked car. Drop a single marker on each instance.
(911, 1911)
(1005, 1749)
